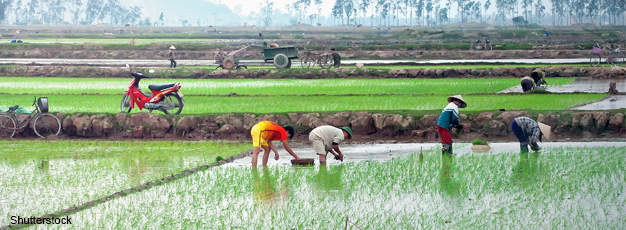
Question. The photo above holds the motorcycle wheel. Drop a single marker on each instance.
(177, 101)
(125, 105)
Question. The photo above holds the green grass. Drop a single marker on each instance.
(40, 177)
(116, 40)
(115, 86)
(559, 188)
(284, 104)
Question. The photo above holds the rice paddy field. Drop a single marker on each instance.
(557, 188)
(95, 95)
(42, 177)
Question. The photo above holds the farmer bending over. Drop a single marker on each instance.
(326, 139)
(449, 117)
(263, 134)
(524, 127)
(527, 84)
(539, 76)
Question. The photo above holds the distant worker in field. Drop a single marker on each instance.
(539, 76)
(547, 33)
(449, 119)
(527, 84)
(171, 57)
(325, 139)
(263, 133)
(525, 127)
(336, 58)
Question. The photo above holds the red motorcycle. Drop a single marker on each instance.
(166, 97)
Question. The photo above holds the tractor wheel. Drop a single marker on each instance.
(281, 61)
(229, 63)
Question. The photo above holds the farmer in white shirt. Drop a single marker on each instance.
(327, 138)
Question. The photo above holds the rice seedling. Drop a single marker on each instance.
(40, 177)
(115, 86)
(562, 187)
(284, 104)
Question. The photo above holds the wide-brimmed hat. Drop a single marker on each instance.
(348, 130)
(545, 130)
(463, 105)
(540, 72)
(172, 47)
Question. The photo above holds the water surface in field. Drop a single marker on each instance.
(581, 186)
(583, 85)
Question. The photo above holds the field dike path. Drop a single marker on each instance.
(299, 73)
(132, 190)
(417, 126)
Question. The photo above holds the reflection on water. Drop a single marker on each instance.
(527, 170)
(267, 189)
(450, 183)
(328, 178)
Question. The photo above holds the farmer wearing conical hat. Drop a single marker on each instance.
(527, 84)
(448, 119)
(325, 139)
(171, 57)
(525, 127)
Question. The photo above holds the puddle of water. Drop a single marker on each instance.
(386, 152)
(609, 103)
(586, 85)
(573, 188)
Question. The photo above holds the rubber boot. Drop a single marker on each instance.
(524, 147)
(446, 149)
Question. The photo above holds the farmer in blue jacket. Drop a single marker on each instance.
(448, 119)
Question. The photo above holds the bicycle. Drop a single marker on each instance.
(310, 59)
(43, 123)
(616, 57)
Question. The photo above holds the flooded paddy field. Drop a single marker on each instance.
(42, 177)
(378, 186)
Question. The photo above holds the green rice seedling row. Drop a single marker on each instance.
(39, 177)
(559, 188)
(284, 104)
(35, 85)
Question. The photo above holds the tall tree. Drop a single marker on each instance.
(267, 12)
(5, 6)
(486, 6)
(540, 10)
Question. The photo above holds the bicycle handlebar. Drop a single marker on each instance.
(34, 101)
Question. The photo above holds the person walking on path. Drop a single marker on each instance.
(525, 127)
(336, 58)
(263, 133)
(171, 57)
(326, 139)
(448, 119)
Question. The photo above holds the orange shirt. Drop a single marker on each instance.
(273, 131)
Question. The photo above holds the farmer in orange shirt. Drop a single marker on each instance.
(263, 134)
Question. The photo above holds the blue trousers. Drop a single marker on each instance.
(519, 132)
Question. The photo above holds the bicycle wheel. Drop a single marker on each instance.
(595, 60)
(326, 61)
(178, 104)
(125, 105)
(307, 62)
(617, 58)
(47, 124)
(488, 47)
(7, 126)
(473, 46)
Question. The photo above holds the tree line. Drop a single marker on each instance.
(77, 12)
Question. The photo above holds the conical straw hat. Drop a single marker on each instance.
(463, 105)
(545, 130)
(172, 47)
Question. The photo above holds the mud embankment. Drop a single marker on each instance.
(69, 52)
(366, 125)
(299, 73)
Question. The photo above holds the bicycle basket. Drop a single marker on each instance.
(488, 41)
(597, 50)
(43, 104)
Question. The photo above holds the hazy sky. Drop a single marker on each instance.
(178, 8)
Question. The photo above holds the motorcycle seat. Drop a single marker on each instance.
(161, 87)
